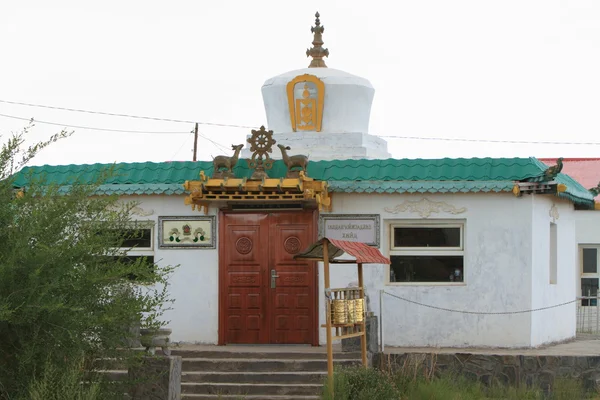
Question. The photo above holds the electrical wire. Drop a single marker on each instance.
(252, 127)
(491, 140)
(126, 115)
(95, 129)
(216, 144)
(181, 147)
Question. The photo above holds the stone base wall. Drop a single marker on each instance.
(513, 370)
(156, 378)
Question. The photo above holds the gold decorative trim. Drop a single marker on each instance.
(317, 119)
(281, 190)
(425, 208)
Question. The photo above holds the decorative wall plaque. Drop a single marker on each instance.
(187, 232)
(351, 227)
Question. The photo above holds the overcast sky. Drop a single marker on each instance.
(524, 70)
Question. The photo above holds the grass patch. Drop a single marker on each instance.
(359, 383)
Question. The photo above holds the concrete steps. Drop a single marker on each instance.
(269, 375)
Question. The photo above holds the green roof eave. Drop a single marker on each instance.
(446, 175)
(420, 186)
(575, 191)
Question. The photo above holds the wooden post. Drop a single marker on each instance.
(363, 337)
(195, 141)
(328, 317)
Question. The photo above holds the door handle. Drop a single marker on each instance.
(273, 277)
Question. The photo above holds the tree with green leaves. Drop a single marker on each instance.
(68, 297)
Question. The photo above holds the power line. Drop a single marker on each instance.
(95, 129)
(181, 147)
(218, 145)
(491, 140)
(126, 115)
(252, 127)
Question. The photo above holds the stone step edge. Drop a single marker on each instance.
(255, 360)
(254, 373)
(316, 385)
(175, 351)
(248, 397)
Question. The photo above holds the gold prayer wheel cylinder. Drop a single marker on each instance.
(351, 313)
(359, 309)
(338, 311)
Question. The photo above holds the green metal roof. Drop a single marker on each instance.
(446, 175)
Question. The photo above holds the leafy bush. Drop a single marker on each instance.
(65, 292)
(64, 384)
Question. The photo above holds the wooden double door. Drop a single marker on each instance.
(265, 295)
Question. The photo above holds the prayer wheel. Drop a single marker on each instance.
(339, 311)
(359, 310)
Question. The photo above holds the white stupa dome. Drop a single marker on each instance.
(346, 108)
(321, 112)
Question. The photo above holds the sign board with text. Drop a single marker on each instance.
(351, 227)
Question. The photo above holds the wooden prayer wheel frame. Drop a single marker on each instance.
(341, 304)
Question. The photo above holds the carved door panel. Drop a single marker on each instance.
(243, 302)
(292, 300)
(256, 307)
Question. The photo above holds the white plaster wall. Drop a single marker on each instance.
(500, 248)
(588, 226)
(194, 285)
(556, 324)
(498, 257)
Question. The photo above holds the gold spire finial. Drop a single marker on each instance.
(317, 52)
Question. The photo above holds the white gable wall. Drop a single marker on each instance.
(556, 324)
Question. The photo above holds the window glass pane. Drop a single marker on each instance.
(426, 237)
(426, 269)
(589, 288)
(590, 261)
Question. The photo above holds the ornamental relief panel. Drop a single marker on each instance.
(554, 213)
(243, 279)
(425, 208)
(292, 245)
(243, 245)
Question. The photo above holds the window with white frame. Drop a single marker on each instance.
(427, 252)
(137, 243)
(590, 276)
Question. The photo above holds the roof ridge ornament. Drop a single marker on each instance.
(317, 52)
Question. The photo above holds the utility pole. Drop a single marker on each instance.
(195, 141)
